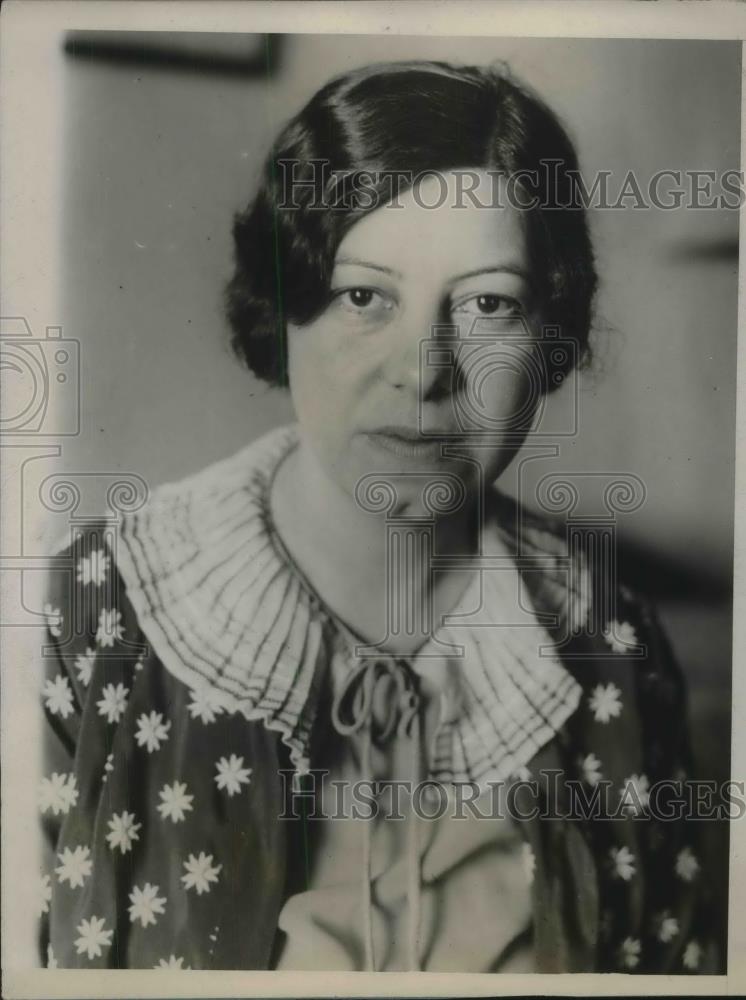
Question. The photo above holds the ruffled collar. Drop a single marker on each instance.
(229, 615)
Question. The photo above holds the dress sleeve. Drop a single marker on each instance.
(681, 902)
(68, 655)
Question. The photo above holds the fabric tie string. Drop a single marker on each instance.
(364, 705)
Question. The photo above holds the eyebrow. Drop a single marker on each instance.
(491, 269)
(488, 269)
(366, 263)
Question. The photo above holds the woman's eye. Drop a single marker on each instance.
(489, 305)
(360, 297)
(362, 301)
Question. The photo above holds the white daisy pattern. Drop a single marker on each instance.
(175, 802)
(58, 696)
(669, 928)
(692, 955)
(92, 937)
(152, 730)
(93, 568)
(54, 620)
(687, 866)
(522, 773)
(528, 860)
(232, 774)
(114, 701)
(623, 861)
(123, 831)
(84, 664)
(205, 704)
(146, 904)
(635, 794)
(173, 963)
(45, 894)
(110, 628)
(591, 767)
(620, 635)
(605, 702)
(200, 872)
(58, 793)
(630, 950)
(75, 866)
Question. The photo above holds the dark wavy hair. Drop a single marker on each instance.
(398, 120)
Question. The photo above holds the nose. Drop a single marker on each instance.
(404, 366)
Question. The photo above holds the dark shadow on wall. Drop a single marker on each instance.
(664, 577)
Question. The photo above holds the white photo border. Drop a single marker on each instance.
(31, 195)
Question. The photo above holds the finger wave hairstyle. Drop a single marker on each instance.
(393, 121)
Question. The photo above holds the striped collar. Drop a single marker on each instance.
(227, 613)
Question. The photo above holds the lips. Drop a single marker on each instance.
(405, 442)
(410, 434)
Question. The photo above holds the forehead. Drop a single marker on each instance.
(439, 227)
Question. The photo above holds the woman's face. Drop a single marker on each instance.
(376, 388)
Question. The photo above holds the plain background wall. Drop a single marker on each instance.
(158, 160)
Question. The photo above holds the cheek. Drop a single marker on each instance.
(326, 377)
(499, 388)
(329, 358)
(327, 351)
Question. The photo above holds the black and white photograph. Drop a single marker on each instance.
(370, 504)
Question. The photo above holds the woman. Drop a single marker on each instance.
(351, 599)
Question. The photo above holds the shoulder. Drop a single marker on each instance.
(193, 582)
(609, 634)
(104, 559)
(87, 607)
(246, 469)
(580, 558)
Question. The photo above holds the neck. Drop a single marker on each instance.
(310, 506)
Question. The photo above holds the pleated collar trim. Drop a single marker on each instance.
(228, 614)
